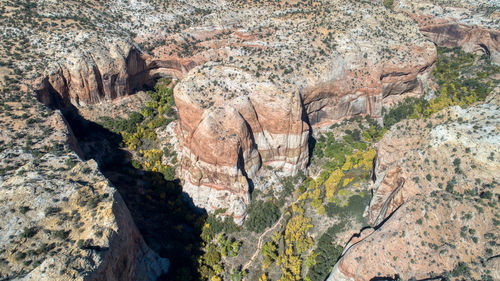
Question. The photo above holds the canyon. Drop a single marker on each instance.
(254, 68)
(254, 84)
(354, 77)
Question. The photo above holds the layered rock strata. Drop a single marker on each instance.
(315, 64)
(230, 130)
(253, 103)
(104, 73)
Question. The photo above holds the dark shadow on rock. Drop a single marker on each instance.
(311, 141)
(384, 279)
(165, 216)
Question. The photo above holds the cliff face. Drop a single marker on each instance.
(65, 220)
(263, 78)
(229, 130)
(104, 73)
(471, 25)
(255, 78)
(430, 198)
(253, 106)
(364, 86)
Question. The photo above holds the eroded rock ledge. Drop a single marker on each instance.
(106, 72)
(471, 25)
(66, 221)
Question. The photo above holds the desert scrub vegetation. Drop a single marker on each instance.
(295, 252)
(388, 4)
(463, 79)
(298, 249)
(290, 248)
(261, 215)
(325, 254)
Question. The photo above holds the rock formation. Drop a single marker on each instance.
(255, 79)
(254, 106)
(65, 220)
(230, 129)
(104, 73)
(430, 198)
(471, 25)
(344, 68)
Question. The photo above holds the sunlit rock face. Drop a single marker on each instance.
(230, 129)
(58, 192)
(270, 80)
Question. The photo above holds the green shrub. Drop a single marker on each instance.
(486, 194)
(84, 244)
(28, 232)
(20, 256)
(461, 270)
(388, 4)
(261, 215)
(216, 226)
(51, 211)
(402, 110)
(169, 173)
(60, 234)
(70, 163)
(24, 209)
(354, 208)
(120, 124)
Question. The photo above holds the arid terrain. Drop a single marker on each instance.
(249, 140)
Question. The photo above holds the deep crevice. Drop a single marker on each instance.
(311, 141)
(486, 50)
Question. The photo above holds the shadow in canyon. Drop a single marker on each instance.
(165, 216)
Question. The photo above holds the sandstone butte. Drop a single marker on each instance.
(254, 81)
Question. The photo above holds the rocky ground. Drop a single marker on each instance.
(435, 196)
(62, 218)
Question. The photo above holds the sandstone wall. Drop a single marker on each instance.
(106, 72)
(366, 86)
(471, 25)
(55, 189)
(229, 130)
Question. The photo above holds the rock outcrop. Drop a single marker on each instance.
(230, 129)
(65, 220)
(324, 61)
(471, 25)
(363, 87)
(104, 73)
(255, 77)
(253, 104)
(432, 198)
